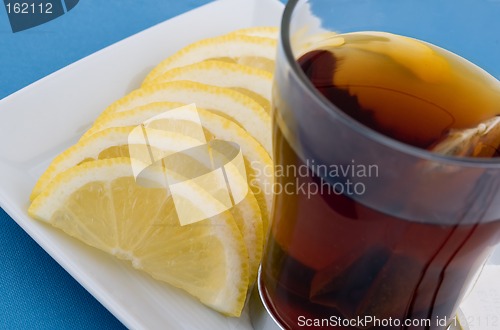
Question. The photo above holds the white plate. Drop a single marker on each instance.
(42, 119)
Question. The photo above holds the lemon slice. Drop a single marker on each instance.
(259, 31)
(246, 211)
(248, 218)
(98, 124)
(238, 48)
(108, 143)
(100, 203)
(250, 81)
(226, 102)
(257, 161)
(114, 142)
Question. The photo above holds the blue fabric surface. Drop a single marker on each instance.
(35, 292)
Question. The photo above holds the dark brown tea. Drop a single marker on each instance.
(411, 91)
(333, 262)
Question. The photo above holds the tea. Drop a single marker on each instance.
(332, 260)
(411, 91)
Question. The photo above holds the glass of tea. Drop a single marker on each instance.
(387, 177)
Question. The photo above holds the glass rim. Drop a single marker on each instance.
(306, 84)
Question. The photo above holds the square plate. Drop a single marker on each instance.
(52, 113)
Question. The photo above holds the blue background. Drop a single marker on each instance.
(35, 292)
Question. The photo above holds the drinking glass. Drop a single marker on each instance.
(369, 232)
